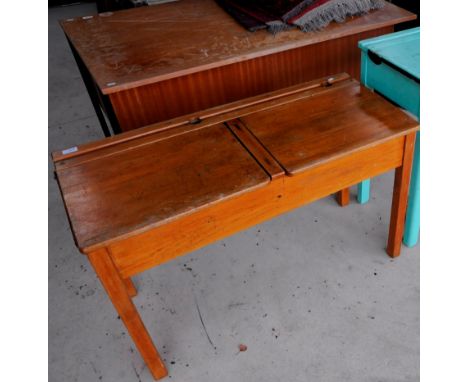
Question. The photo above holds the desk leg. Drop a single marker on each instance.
(400, 198)
(117, 291)
(91, 88)
(342, 197)
(412, 214)
(131, 290)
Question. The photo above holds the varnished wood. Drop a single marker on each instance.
(167, 99)
(256, 148)
(153, 182)
(216, 114)
(342, 197)
(162, 244)
(115, 288)
(334, 122)
(156, 63)
(153, 195)
(400, 198)
(142, 46)
(131, 289)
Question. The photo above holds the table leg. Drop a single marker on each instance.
(363, 193)
(400, 198)
(412, 213)
(88, 82)
(131, 289)
(342, 197)
(115, 288)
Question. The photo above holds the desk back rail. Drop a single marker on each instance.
(209, 116)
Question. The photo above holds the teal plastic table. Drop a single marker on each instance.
(390, 66)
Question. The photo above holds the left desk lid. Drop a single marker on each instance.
(126, 189)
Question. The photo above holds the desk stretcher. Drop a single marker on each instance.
(145, 197)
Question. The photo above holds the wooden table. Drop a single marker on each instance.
(151, 64)
(142, 198)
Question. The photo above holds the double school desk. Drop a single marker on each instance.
(142, 198)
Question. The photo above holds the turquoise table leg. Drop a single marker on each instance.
(363, 193)
(412, 212)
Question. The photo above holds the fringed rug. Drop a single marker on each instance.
(308, 15)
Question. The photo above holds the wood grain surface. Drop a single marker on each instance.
(115, 191)
(216, 114)
(134, 188)
(133, 255)
(332, 123)
(136, 47)
(167, 99)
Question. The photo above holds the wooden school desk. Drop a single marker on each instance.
(142, 198)
(150, 64)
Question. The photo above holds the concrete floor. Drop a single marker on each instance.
(312, 293)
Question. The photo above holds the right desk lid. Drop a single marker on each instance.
(331, 123)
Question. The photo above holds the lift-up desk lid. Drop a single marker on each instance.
(329, 124)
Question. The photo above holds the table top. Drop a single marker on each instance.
(125, 185)
(135, 47)
(401, 49)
